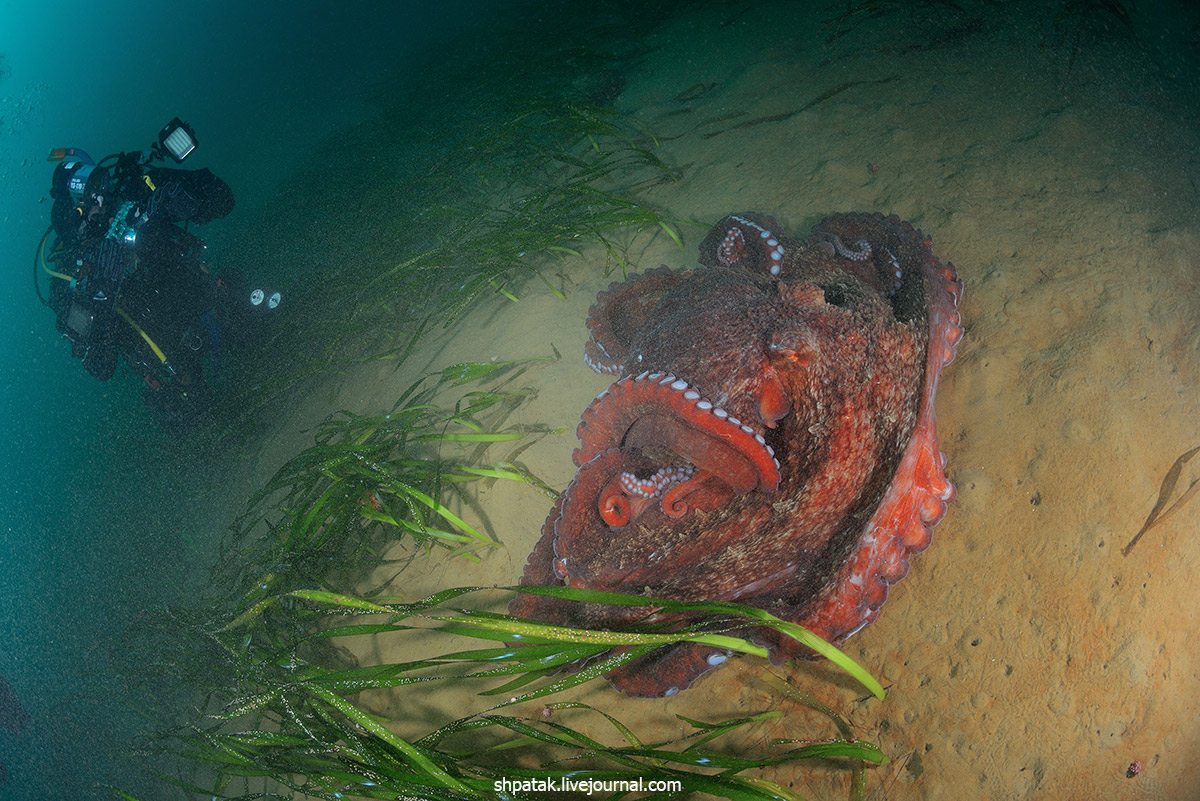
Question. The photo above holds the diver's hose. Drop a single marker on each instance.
(39, 259)
(162, 357)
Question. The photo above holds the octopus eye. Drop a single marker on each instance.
(800, 348)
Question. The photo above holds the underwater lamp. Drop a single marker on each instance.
(177, 140)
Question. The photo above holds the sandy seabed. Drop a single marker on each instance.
(1025, 656)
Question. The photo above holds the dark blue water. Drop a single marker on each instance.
(100, 513)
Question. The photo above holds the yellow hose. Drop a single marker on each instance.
(162, 357)
(157, 351)
(45, 266)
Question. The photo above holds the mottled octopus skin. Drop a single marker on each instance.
(772, 440)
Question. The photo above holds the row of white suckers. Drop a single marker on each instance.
(678, 384)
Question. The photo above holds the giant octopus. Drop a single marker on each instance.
(772, 440)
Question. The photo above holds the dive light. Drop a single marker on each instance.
(177, 139)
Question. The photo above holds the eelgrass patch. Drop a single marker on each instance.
(369, 482)
(295, 722)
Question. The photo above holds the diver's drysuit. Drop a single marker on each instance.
(121, 240)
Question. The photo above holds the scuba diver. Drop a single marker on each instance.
(131, 277)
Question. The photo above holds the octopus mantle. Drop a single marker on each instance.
(772, 440)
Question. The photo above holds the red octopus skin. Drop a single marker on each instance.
(772, 440)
